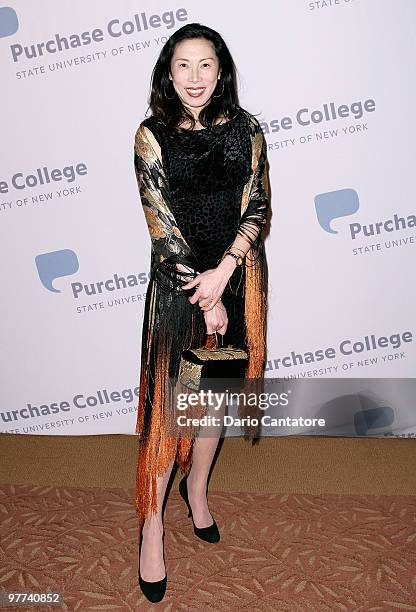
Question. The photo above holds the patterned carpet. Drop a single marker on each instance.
(277, 552)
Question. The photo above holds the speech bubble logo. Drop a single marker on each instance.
(9, 23)
(373, 418)
(54, 265)
(335, 204)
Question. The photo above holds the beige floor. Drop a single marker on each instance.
(278, 552)
(314, 465)
(318, 524)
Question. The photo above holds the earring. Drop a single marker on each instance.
(219, 96)
(167, 97)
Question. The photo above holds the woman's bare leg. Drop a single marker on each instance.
(203, 453)
(152, 567)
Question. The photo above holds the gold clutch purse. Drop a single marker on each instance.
(200, 365)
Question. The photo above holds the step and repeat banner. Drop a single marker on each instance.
(331, 83)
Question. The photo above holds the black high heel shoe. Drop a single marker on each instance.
(154, 591)
(208, 534)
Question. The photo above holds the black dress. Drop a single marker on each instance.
(207, 187)
(206, 171)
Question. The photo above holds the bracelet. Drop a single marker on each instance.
(238, 259)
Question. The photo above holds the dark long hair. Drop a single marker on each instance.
(170, 109)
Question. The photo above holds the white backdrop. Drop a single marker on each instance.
(332, 84)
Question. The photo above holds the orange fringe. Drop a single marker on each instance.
(255, 305)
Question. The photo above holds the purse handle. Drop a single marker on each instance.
(211, 341)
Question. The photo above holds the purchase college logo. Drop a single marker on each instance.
(345, 202)
(115, 28)
(63, 263)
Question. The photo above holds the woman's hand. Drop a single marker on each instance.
(211, 284)
(216, 319)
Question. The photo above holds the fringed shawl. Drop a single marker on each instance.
(171, 323)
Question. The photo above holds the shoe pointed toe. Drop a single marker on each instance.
(209, 534)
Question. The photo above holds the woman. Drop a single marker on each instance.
(200, 163)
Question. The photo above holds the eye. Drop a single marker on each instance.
(182, 64)
(206, 64)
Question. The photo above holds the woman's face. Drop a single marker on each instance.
(194, 72)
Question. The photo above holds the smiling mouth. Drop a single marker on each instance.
(195, 90)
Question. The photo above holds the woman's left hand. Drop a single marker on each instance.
(211, 284)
